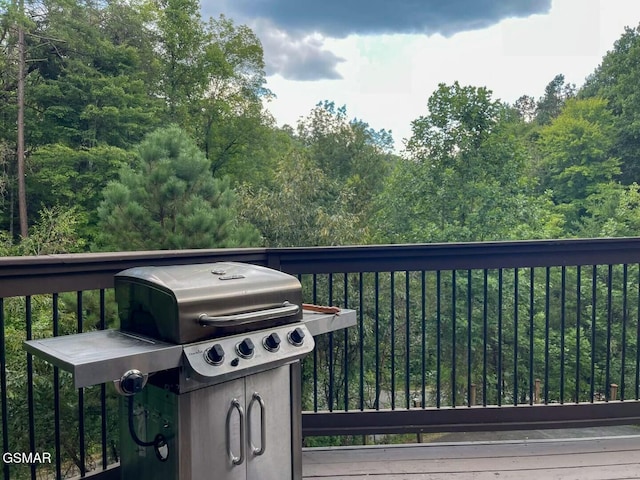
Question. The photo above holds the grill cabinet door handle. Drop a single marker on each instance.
(263, 425)
(235, 405)
(285, 310)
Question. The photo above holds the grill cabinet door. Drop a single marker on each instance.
(269, 425)
(212, 434)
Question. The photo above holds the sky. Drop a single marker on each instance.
(384, 58)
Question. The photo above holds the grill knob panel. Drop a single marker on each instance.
(215, 355)
(245, 348)
(296, 337)
(272, 342)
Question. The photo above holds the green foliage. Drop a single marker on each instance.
(41, 308)
(465, 176)
(575, 149)
(320, 190)
(213, 80)
(551, 104)
(88, 88)
(55, 231)
(235, 128)
(616, 80)
(613, 211)
(350, 152)
(298, 207)
(60, 175)
(169, 200)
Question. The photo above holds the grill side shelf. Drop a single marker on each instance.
(103, 356)
(319, 323)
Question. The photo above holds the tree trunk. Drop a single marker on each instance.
(22, 194)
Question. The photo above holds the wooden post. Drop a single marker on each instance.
(536, 391)
(613, 392)
(472, 395)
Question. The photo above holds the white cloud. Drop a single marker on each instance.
(387, 79)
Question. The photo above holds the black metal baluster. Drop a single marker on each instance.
(499, 367)
(469, 319)
(345, 304)
(314, 297)
(438, 339)
(638, 338)
(331, 349)
(81, 431)
(531, 334)
(103, 391)
(407, 336)
(453, 338)
(623, 360)
(485, 334)
(30, 404)
(515, 335)
(607, 374)
(423, 308)
(3, 391)
(361, 335)
(392, 324)
(377, 336)
(578, 333)
(546, 335)
(563, 298)
(594, 290)
(56, 393)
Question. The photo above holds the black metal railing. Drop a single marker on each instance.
(501, 335)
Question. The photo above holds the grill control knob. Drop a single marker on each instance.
(132, 382)
(215, 355)
(245, 348)
(296, 337)
(272, 342)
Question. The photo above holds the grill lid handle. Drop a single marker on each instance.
(286, 310)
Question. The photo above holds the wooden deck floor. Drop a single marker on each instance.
(604, 458)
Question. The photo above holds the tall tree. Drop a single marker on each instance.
(96, 85)
(86, 87)
(294, 209)
(14, 23)
(575, 155)
(350, 151)
(463, 178)
(233, 123)
(170, 200)
(213, 82)
(526, 107)
(22, 192)
(556, 93)
(182, 40)
(616, 79)
(60, 176)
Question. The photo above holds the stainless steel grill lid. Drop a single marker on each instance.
(188, 303)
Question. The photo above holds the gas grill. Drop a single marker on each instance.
(207, 360)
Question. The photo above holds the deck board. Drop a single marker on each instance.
(605, 458)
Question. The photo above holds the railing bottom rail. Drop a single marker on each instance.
(468, 419)
(112, 472)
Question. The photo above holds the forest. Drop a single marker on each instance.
(140, 125)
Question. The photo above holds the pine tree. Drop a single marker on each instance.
(170, 200)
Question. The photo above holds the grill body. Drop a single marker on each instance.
(218, 347)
